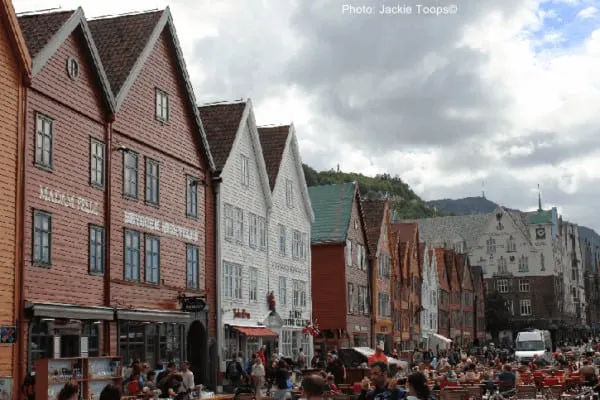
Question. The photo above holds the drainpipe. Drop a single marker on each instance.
(19, 304)
(219, 311)
(374, 299)
(107, 227)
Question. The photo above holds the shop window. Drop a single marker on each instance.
(92, 332)
(361, 341)
(40, 342)
(170, 342)
(150, 342)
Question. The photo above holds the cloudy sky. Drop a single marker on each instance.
(503, 94)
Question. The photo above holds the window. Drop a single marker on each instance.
(511, 245)
(192, 263)
(191, 195)
(91, 330)
(299, 294)
(349, 253)
(97, 163)
(383, 305)
(130, 179)
(384, 266)
(72, 68)
(228, 215)
(304, 247)
(282, 290)
(350, 298)
(132, 255)
(286, 341)
(152, 259)
(42, 238)
(262, 233)
(239, 225)
(490, 245)
(245, 170)
(253, 230)
(510, 307)
(363, 300)
(523, 264)
(362, 257)
(525, 307)
(282, 239)
(542, 262)
(152, 179)
(524, 285)
(296, 243)
(162, 106)
(502, 265)
(232, 280)
(43, 141)
(253, 284)
(289, 193)
(502, 285)
(96, 249)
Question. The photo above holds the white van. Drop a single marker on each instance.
(532, 343)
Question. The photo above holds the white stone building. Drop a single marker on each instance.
(429, 294)
(242, 239)
(289, 239)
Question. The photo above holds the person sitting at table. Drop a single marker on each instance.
(417, 387)
(470, 376)
(507, 379)
(332, 386)
(588, 372)
(313, 387)
(385, 388)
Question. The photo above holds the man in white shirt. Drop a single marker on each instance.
(188, 377)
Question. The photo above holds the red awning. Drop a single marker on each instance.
(255, 331)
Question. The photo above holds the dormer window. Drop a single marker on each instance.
(162, 106)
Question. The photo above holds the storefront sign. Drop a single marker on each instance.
(289, 268)
(69, 200)
(295, 319)
(8, 334)
(158, 225)
(193, 304)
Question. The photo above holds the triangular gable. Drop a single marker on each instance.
(291, 143)
(43, 50)
(159, 21)
(8, 19)
(440, 255)
(246, 119)
(376, 221)
(498, 220)
(465, 276)
(358, 202)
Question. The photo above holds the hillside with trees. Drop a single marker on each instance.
(404, 202)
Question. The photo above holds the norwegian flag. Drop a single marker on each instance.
(311, 329)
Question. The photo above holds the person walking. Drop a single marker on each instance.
(257, 375)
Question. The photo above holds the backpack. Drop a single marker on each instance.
(133, 386)
(233, 371)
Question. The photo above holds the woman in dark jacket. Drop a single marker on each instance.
(282, 381)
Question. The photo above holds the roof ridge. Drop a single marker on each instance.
(222, 102)
(44, 11)
(108, 16)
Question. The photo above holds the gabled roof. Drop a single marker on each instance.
(271, 141)
(406, 230)
(332, 205)
(45, 33)
(453, 280)
(477, 275)
(374, 218)
(440, 256)
(463, 270)
(9, 20)
(126, 41)
(223, 124)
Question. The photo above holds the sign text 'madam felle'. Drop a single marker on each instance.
(157, 225)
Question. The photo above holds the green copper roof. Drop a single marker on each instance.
(332, 205)
(540, 217)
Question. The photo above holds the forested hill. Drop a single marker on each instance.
(405, 203)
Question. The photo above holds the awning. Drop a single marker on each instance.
(175, 317)
(70, 311)
(441, 337)
(255, 331)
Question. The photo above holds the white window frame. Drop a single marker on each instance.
(490, 245)
(525, 307)
(349, 260)
(253, 230)
(350, 298)
(244, 170)
(299, 294)
(289, 193)
(282, 240)
(253, 284)
(232, 281)
(502, 268)
(361, 254)
(304, 247)
(286, 342)
(162, 105)
(524, 286)
(238, 228)
(502, 285)
(296, 244)
(262, 233)
(229, 225)
(97, 163)
(283, 290)
(44, 139)
(511, 244)
(523, 263)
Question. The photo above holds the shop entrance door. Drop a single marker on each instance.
(69, 346)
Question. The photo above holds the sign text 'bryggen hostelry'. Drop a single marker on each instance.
(167, 228)
(70, 201)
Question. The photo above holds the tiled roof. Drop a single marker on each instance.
(421, 258)
(440, 256)
(406, 230)
(332, 205)
(374, 212)
(460, 263)
(539, 217)
(453, 229)
(404, 261)
(272, 141)
(221, 123)
(120, 41)
(477, 274)
(38, 29)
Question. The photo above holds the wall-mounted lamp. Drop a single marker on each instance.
(123, 149)
(97, 322)
(47, 319)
